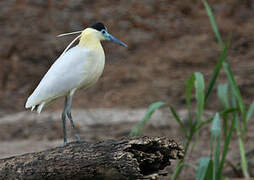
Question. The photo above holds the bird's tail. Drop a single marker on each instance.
(38, 107)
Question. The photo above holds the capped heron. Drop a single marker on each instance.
(77, 67)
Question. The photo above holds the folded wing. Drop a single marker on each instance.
(67, 73)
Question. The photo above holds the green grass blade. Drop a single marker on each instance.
(215, 128)
(250, 111)
(178, 169)
(200, 87)
(223, 95)
(222, 92)
(236, 92)
(217, 71)
(200, 97)
(202, 168)
(244, 164)
(178, 120)
(151, 109)
(226, 145)
(216, 131)
(216, 166)
(209, 172)
(189, 85)
(208, 121)
(213, 22)
(229, 110)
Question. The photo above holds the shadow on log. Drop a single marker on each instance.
(128, 158)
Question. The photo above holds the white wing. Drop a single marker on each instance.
(68, 72)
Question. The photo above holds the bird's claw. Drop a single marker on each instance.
(78, 137)
(64, 143)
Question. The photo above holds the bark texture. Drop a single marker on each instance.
(128, 158)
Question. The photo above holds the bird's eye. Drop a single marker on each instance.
(103, 31)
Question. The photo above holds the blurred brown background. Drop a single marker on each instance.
(167, 42)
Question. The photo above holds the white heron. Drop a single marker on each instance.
(77, 67)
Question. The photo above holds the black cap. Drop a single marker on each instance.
(98, 26)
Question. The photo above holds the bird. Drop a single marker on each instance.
(77, 67)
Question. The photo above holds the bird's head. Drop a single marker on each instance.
(99, 31)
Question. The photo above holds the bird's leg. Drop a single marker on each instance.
(64, 121)
(70, 116)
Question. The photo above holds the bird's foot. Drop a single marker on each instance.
(64, 144)
(77, 137)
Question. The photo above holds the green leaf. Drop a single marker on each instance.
(200, 98)
(209, 172)
(215, 128)
(151, 109)
(200, 87)
(250, 111)
(217, 70)
(215, 131)
(244, 164)
(226, 145)
(205, 122)
(202, 168)
(178, 120)
(189, 85)
(213, 22)
(236, 92)
(229, 110)
(178, 169)
(222, 92)
(216, 163)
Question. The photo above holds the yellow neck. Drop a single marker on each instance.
(89, 40)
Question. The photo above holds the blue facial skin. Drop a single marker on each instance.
(112, 38)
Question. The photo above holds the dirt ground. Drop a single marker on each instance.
(167, 42)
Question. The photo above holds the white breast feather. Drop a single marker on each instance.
(71, 70)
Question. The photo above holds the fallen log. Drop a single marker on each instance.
(128, 158)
